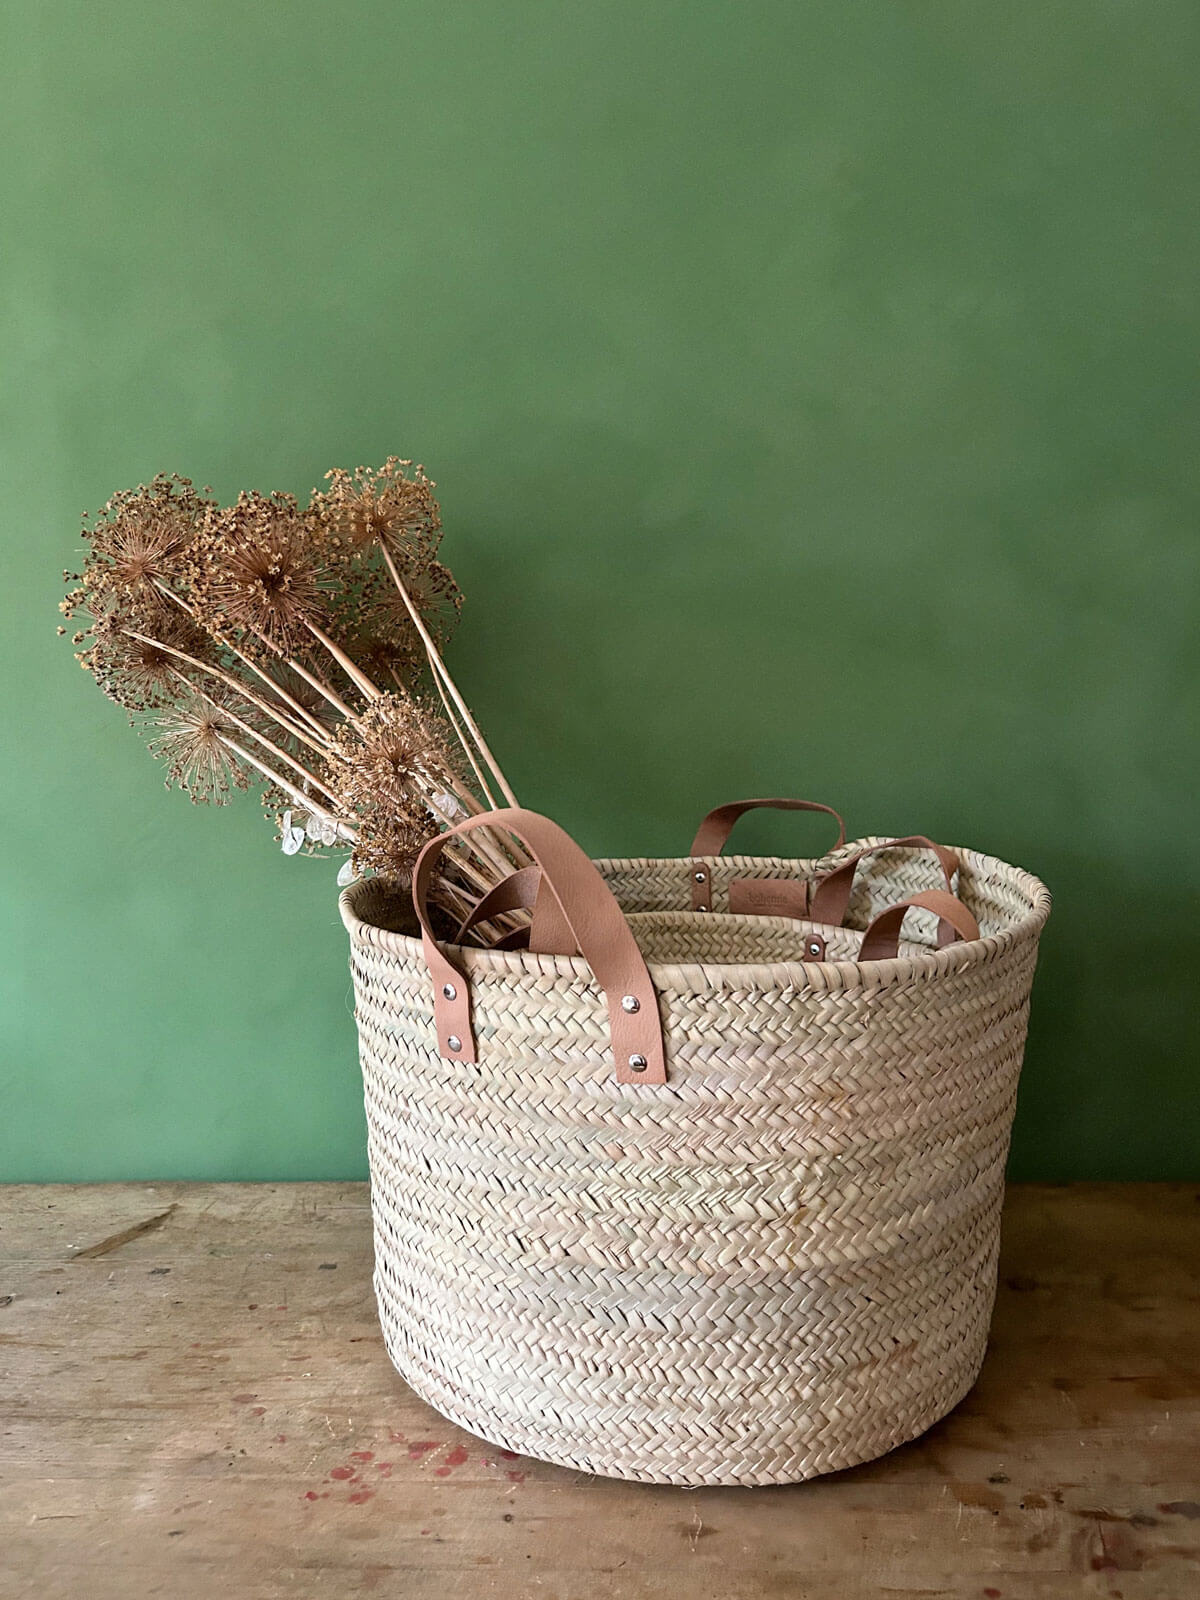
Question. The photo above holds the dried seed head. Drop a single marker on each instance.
(262, 571)
(140, 544)
(139, 670)
(379, 772)
(364, 514)
(386, 506)
(195, 740)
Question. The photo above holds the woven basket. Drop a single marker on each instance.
(779, 1261)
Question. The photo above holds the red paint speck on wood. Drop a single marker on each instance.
(454, 1458)
(312, 1495)
(510, 1455)
(516, 1477)
(281, 1438)
(244, 1399)
(992, 1594)
(362, 1455)
(342, 1472)
(361, 1496)
(420, 1447)
(384, 1468)
(258, 1411)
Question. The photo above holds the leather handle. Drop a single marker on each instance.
(596, 924)
(525, 890)
(830, 896)
(713, 832)
(882, 939)
(514, 893)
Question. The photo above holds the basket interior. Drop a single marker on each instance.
(656, 897)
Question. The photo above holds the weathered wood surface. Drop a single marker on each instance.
(194, 1402)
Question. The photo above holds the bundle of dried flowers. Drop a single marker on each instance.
(291, 648)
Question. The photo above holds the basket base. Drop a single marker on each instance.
(758, 1466)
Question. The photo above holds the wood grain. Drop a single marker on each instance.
(205, 1409)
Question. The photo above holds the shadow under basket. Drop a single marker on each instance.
(778, 1263)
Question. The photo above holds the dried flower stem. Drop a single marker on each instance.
(252, 665)
(451, 716)
(259, 738)
(297, 796)
(323, 689)
(439, 668)
(487, 849)
(460, 735)
(229, 681)
(354, 673)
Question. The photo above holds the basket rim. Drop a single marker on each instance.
(823, 976)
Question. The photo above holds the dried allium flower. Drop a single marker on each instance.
(378, 772)
(366, 505)
(140, 543)
(195, 740)
(367, 511)
(432, 589)
(377, 633)
(263, 571)
(137, 672)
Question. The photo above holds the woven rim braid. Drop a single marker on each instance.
(780, 1263)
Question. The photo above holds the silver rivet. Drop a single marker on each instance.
(454, 1043)
(701, 908)
(638, 1063)
(450, 991)
(815, 948)
(630, 1002)
(701, 876)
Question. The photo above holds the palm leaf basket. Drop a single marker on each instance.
(778, 1259)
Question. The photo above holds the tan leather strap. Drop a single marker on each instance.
(596, 925)
(882, 939)
(548, 932)
(514, 893)
(830, 896)
(713, 832)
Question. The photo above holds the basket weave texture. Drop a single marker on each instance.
(780, 1263)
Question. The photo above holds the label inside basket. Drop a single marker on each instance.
(769, 897)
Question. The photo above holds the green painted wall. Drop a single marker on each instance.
(813, 395)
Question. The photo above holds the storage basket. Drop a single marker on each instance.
(777, 1261)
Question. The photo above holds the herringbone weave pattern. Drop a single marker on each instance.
(779, 1264)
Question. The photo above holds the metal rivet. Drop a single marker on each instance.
(638, 1063)
(450, 991)
(815, 947)
(630, 1002)
(701, 876)
(454, 1043)
(701, 908)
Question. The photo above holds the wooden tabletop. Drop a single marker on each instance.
(195, 1402)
